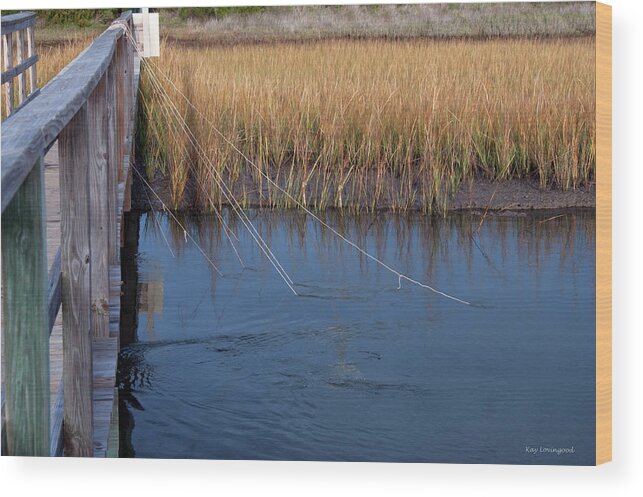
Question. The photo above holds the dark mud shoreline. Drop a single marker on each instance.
(478, 195)
(519, 195)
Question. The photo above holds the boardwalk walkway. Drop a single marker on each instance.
(105, 350)
(60, 333)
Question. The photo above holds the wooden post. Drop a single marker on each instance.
(73, 150)
(97, 148)
(112, 167)
(129, 140)
(31, 50)
(26, 321)
(7, 62)
(130, 85)
(20, 57)
(121, 104)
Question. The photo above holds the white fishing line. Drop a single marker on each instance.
(185, 232)
(397, 273)
(158, 224)
(230, 197)
(228, 232)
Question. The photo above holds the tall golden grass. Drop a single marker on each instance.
(54, 56)
(364, 124)
(368, 124)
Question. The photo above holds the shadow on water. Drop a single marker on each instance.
(236, 367)
(128, 325)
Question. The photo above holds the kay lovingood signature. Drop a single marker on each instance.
(532, 449)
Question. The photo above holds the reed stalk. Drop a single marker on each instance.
(375, 123)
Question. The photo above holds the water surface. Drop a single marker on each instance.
(355, 369)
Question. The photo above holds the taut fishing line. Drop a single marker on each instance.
(234, 203)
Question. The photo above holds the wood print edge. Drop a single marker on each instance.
(603, 233)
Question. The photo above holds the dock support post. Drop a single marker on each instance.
(7, 63)
(31, 50)
(112, 166)
(20, 58)
(98, 152)
(26, 321)
(121, 104)
(73, 146)
(129, 81)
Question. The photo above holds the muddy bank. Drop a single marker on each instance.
(519, 195)
(477, 195)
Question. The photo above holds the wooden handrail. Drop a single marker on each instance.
(87, 108)
(22, 25)
(125, 16)
(27, 134)
(20, 68)
(16, 22)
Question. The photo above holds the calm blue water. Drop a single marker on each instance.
(353, 369)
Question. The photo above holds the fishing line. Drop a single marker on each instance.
(226, 190)
(232, 200)
(397, 273)
(228, 232)
(185, 232)
(158, 224)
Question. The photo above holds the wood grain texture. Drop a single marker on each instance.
(76, 289)
(105, 352)
(120, 106)
(52, 201)
(31, 52)
(129, 81)
(7, 63)
(25, 320)
(112, 157)
(97, 149)
(20, 58)
(603, 233)
(130, 143)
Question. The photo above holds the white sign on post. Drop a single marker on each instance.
(146, 31)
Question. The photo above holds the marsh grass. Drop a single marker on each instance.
(364, 124)
(372, 123)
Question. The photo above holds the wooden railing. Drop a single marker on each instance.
(88, 108)
(22, 25)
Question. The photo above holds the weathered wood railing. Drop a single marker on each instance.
(22, 25)
(88, 108)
